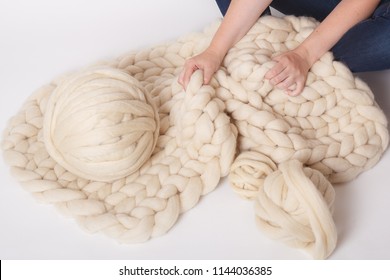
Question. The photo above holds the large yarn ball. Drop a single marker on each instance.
(100, 124)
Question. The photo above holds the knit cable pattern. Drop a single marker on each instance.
(289, 149)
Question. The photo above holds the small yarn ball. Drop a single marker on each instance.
(100, 124)
(248, 172)
(295, 205)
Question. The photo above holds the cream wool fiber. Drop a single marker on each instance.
(124, 150)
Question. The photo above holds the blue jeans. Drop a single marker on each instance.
(365, 47)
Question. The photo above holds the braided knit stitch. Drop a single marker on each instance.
(289, 148)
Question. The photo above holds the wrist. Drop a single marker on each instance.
(215, 52)
(309, 56)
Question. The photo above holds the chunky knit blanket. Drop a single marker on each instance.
(123, 149)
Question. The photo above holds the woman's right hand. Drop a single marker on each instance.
(208, 61)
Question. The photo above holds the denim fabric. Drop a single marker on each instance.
(365, 47)
(224, 4)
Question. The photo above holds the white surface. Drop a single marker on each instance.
(41, 39)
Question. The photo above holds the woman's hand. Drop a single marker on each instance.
(290, 72)
(207, 61)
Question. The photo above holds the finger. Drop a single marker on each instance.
(274, 71)
(207, 74)
(188, 71)
(280, 79)
(287, 83)
(298, 90)
(181, 77)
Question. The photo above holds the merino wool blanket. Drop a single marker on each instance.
(124, 150)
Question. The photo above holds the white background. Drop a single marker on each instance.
(41, 39)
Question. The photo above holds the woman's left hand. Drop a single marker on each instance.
(290, 72)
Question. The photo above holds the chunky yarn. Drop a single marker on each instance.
(100, 125)
(281, 152)
(292, 203)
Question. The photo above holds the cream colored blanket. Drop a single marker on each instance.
(124, 150)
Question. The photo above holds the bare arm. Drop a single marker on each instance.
(292, 67)
(240, 17)
(343, 17)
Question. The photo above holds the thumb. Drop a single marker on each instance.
(207, 74)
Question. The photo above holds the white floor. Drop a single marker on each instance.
(41, 39)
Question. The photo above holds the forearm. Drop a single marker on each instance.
(329, 32)
(240, 17)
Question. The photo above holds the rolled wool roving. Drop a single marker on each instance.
(101, 125)
(123, 149)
